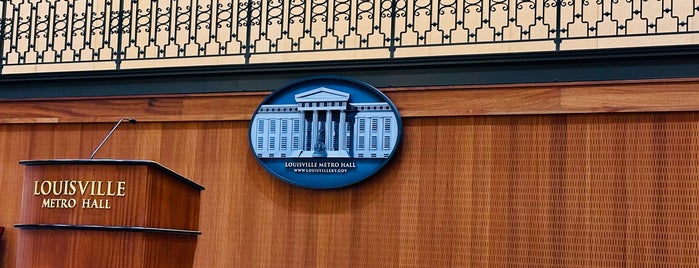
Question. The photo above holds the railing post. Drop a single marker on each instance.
(558, 39)
(392, 48)
(120, 32)
(2, 34)
(248, 21)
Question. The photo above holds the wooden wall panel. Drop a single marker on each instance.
(539, 190)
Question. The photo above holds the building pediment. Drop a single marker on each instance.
(322, 94)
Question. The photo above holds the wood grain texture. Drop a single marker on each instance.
(631, 98)
(151, 199)
(465, 189)
(553, 98)
(78, 249)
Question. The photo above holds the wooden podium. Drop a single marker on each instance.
(106, 213)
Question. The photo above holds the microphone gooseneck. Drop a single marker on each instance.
(131, 120)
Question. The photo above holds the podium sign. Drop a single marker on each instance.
(106, 213)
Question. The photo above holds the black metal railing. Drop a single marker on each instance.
(36, 32)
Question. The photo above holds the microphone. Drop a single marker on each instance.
(133, 121)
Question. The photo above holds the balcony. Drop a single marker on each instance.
(40, 36)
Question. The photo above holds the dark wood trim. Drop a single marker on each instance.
(668, 62)
(106, 228)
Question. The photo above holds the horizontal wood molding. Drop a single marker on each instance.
(512, 99)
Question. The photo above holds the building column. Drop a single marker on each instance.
(302, 131)
(329, 131)
(314, 130)
(342, 129)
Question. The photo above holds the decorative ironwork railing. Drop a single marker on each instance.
(124, 32)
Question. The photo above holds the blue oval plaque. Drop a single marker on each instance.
(325, 132)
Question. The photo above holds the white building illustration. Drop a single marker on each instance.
(323, 123)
